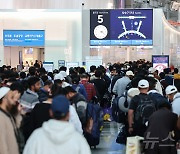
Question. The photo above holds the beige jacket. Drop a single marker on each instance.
(8, 143)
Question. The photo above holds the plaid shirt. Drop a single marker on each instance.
(91, 92)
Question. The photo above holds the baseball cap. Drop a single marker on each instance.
(4, 91)
(59, 76)
(151, 70)
(143, 84)
(60, 106)
(133, 92)
(170, 89)
(129, 73)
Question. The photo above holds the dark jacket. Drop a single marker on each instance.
(80, 89)
(43, 95)
(101, 87)
(80, 104)
(115, 78)
(77, 98)
(161, 123)
(35, 119)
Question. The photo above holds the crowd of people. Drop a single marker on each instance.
(50, 112)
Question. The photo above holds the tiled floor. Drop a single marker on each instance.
(108, 143)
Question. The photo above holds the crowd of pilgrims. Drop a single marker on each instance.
(55, 112)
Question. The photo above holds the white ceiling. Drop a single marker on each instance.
(53, 4)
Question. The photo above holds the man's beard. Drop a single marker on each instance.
(13, 110)
(36, 90)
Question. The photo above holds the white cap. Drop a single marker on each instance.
(143, 84)
(151, 70)
(59, 77)
(63, 73)
(4, 91)
(170, 89)
(129, 73)
(133, 92)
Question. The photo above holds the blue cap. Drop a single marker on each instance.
(60, 106)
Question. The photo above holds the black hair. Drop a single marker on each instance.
(176, 70)
(1, 69)
(75, 80)
(25, 84)
(57, 81)
(17, 86)
(62, 68)
(55, 71)
(167, 70)
(59, 116)
(84, 75)
(12, 80)
(165, 104)
(16, 75)
(110, 68)
(68, 90)
(56, 90)
(48, 82)
(152, 82)
(162, 75)
(32, 81)
(82, 70)
(92, 68)
(51, 75)
(44, 78)
(32, 71)
(1, 100)
(72, 71)
(98, 73)
(42, 71)
(22, 75)
(135, 82)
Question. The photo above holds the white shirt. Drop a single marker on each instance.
(56, 137)
(74, 119)
(120, 85)
(176, 104)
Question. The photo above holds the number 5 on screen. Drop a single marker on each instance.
(100, 19)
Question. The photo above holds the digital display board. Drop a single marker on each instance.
(128, 27)
(24, 38)
(49, 66)
(160, 62)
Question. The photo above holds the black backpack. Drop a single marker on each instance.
(118, 114)
(158, 99)
(145, 109)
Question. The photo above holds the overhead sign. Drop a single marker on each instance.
(49, 66)
(72, 64)
(24, 38)
(128, 27)
(160, 62)
(61, 63)
(93, 60)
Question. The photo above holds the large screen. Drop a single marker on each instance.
(128, 27)
(160, 62)
(24, 38)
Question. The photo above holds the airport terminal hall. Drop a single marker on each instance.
(89, 76)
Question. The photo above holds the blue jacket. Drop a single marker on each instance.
(80, 89)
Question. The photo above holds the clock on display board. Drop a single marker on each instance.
(100, 31)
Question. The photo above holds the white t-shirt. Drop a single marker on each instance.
(176, 104)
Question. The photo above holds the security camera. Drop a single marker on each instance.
(82, 4)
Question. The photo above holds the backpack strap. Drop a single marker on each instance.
(126, 102)
(77, 88)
